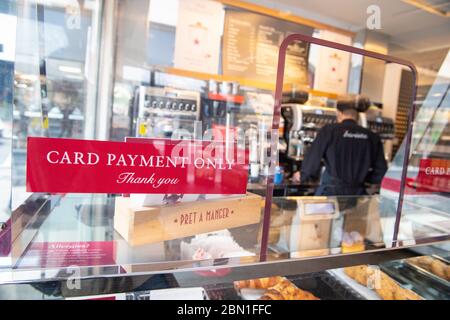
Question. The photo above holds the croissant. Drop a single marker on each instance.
(261, 283)
(286, 290)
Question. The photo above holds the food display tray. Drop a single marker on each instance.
(326, 287)
(321, 284)
(421, 281)
(427, 273)
(363, 291)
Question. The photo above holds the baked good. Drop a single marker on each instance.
(358, 273)
(286, 290)
(261, 283)
(352, 242)
(278, 288)
(424, 262)
(380, 282)
(438, 268)
(387, 288)
(447, 273)
(405, 294)
(433, 265)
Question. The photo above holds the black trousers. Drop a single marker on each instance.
(339, 190)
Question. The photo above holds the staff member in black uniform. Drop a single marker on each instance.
(352, 154)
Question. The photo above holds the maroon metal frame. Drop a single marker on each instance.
(276, 121)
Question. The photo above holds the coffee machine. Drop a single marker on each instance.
(164, 112)
(301, 123)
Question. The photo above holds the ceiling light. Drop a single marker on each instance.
(428, 7)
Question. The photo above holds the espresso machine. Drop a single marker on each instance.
(301, 123)
(164, 112)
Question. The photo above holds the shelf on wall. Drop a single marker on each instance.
(242, 81)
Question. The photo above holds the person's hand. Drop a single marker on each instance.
(296, 176)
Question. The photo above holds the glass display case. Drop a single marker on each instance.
(78, 239)
(115, 81)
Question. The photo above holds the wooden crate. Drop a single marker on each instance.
(145, 225)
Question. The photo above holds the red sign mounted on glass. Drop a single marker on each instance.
(66, 254)
(161, 166)
(434, 175)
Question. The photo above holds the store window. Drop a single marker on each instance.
(56, 68)
(8, 21)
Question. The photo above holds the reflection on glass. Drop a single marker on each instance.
(55, 76)
(337, 225)
(425, 214)
(338, 144)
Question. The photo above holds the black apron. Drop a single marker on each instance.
(331, 186)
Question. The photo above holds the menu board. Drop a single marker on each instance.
(251, 43)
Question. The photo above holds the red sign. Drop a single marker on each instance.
(162, 166)
(65, 254)
(434, 175)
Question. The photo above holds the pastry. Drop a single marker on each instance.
(425, 261)
(383, 285)
(438, 268)
(435, 266)
(352, 242)
(286, 290)
(359, 273)
(387, 287)
(261, 283)
(405, 294)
